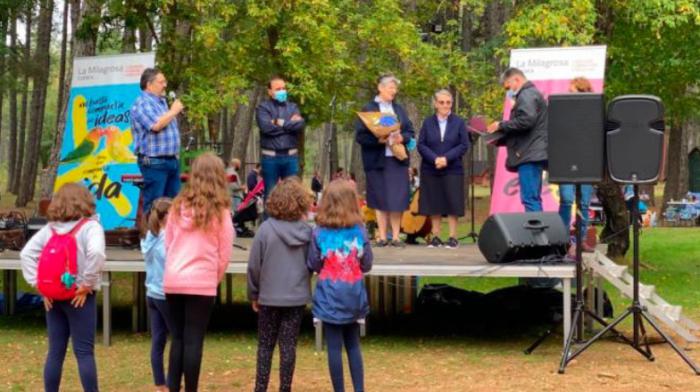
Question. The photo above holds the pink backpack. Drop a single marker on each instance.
(58, 265)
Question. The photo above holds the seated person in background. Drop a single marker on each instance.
(253, 178)
(235, 186)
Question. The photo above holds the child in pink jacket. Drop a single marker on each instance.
(198, 243)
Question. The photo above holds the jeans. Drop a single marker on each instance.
(64, 321)
(158, 312)
(277, 168)
(161, 178)
(336, 337)
(277, 324)
(567, 197)
(530, 178)
(189, 316)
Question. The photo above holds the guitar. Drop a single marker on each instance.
(413, 224)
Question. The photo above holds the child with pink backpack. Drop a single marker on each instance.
(64, 261)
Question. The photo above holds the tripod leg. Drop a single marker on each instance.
(565, 358)
(645, 338)
(539, 341)
(604, 323)
(673, 344)
(600, 333)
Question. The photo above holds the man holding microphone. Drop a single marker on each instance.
(156, 138)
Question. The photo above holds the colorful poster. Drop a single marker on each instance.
(551, 70)
(97, 147)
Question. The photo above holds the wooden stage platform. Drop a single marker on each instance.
(411, 261)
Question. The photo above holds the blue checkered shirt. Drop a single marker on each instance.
(145, 112)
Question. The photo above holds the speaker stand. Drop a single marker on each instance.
(580, 308)
(636, 310)
(472, 232)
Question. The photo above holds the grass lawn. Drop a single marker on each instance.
(397, 358)
(398, 355)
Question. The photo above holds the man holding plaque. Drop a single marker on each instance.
(383, 129)
(525, 136)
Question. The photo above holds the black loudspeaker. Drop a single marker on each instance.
(525, 236)
(576, 138)
(635, 138)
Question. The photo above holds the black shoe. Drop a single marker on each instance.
(381, 243)
(398, 244)
(452, 243)
(436, 242)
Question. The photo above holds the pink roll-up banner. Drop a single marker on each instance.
(551, 70)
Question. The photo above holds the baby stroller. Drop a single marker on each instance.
(247, 211)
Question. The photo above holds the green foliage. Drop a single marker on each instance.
(324, 48)
(552, 23)
(652, 45)
(658, 56)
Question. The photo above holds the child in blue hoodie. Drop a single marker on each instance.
(340, 253)
(153, 249)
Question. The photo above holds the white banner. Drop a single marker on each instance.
(560, 63)
(106, 70)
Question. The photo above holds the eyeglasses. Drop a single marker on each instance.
(444, 102)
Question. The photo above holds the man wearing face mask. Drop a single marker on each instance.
(525, 136)
(280, 126)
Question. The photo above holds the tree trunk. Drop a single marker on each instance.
(85, 21)
(48, 177)
(3, 31)
(16, 164)
(616, 230)
(41, 76)
(129, 39)
(10, 65)
(145, 39)
(325, 168)
(243, 125)
(302, 154)
(214, 126)
(80, 45)
(226, 135)
(357, 168)
(677, 163)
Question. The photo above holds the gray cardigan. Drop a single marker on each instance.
(277, 272)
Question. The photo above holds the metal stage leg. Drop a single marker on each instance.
(566, 293)
(106, 308)
(9, 289)
(229, 289)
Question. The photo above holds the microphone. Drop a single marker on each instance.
(172, 96)
(190, 140)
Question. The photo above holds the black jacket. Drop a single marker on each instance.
(372, 150)
(274, 137)
(453, 147)
(526, 130)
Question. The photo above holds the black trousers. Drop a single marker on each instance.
(188, 319)
(277, 324)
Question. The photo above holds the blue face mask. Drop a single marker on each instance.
(281, 96)
(511, 94)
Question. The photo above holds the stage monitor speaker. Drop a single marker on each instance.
(576, 138)
(635, 138)
(524, 236)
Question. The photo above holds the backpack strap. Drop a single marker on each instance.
(77, 227)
